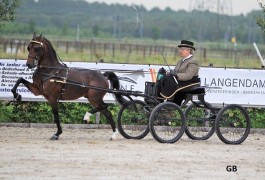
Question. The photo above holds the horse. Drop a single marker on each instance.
(55, 81)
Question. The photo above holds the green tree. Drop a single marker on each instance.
(261, 17)
(65, 29)
(32, 26)
(7, 10)
(95, 30)
(155, 33)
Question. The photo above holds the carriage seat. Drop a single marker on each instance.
(195, 94)
(196, 90)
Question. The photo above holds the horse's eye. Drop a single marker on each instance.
(37, 49)
(28, 48)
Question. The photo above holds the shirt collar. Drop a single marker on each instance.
(189, 56)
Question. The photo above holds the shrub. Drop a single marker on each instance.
(73, 113)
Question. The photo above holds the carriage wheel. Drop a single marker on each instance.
(167, 122)
(200, 122)
(233, 124)
(133, 120)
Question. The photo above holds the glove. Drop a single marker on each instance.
(172, 72)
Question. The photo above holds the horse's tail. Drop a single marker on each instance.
(115, 83)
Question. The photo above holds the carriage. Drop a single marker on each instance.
(166, 120)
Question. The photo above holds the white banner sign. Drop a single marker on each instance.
(229, 86)
(238, 86)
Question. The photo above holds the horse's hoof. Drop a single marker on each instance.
(54, 137)
(19, 98)
(114, 135)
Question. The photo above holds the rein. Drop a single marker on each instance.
(50, 67)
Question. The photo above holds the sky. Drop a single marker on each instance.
(231, 7)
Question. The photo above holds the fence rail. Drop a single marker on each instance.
(98, 49)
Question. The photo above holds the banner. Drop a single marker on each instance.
(237, 86)
(228, 86)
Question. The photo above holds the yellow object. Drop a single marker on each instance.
(233, 39)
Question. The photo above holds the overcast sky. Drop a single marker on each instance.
(236, 6)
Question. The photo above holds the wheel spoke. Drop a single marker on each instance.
(233, 124)
(200, 122)
(133, 120)
(167, 122)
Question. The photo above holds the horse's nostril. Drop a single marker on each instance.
(28, 65)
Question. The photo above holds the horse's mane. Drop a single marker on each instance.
(51, 50)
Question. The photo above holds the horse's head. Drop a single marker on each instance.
(36, 51)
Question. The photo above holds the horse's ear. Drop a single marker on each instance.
(34, 35)
(40, 36)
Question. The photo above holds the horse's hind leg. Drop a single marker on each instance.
(108, 115)
(100, 106)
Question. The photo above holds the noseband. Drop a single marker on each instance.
(36, 58)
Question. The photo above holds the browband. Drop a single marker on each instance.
(37, 42)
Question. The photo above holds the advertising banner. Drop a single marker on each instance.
(228, 86)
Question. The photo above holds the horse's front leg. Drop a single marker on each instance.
(17, 96)
(57, 121)
(32, 87)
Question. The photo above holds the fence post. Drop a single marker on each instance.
(17, 46)
(67, 47)
(113, 50)
(150, 50)
(24, 47)
(82, 47)
(204, 54)
(91, 48)
(11, 45)
(105, 48)
(144, 51)
(5, 46)
(97, 117)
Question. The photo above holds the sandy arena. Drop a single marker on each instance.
(27, 153)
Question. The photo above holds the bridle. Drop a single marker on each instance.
(48, 76)
(35, 58)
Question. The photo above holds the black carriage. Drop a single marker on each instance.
(167, 121)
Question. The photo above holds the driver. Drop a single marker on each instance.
(178, 81)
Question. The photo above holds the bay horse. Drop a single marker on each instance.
(55, 81)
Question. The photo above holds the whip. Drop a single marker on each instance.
(141, 19)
